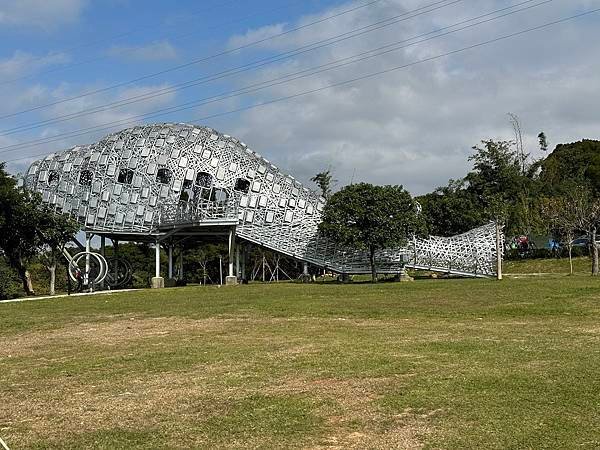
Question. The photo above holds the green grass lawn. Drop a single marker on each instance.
(434, 364)
(581, 265)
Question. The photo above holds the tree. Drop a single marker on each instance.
(588, 215)
(325, 182)
(576, 210)
(56, 231)
(451, 210)
(518, 130)
(563, 216)
(371, 218)
(19, 215)
(496, 170)
(543, 142)
(500, 187)
(568, 162)
(24, 225)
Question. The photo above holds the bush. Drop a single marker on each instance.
(10, 285)
(141, 279)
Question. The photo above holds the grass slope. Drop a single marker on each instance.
(435, 363)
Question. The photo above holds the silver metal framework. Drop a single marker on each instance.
(156, 181)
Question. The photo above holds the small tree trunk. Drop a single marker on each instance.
(372, 261)
(52, 270)
(570, 258)
(594, 253)
(18, 263)
(25, 277)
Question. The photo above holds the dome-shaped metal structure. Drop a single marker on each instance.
(151, 182)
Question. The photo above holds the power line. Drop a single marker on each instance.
(196, 61)
(239, 69)
(176, 37)
(380, 72)
(394, 46)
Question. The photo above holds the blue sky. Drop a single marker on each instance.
(412, 126)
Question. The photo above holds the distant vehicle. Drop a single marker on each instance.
(522, 244)
(582, 241)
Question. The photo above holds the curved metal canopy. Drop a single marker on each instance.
(146, 180)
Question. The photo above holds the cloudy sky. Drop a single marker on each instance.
(431, 78)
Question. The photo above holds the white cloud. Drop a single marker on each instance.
(156, 51)
(45, 14)
(23, 63)
(102, 119)
(255, 35)
(107, 116)
(416, 126)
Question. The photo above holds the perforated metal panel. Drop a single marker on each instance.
(139, 179)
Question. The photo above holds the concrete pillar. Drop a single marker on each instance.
(170, 261)
(220, 271)
(237, 260)
(88, 248)
(231, 277)
(403, 275)
(116, 256)
(157, 282)
(244, 256)
(181, 262)
(305, 269)
(103, 253)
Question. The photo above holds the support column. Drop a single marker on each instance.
(170, 261)
(220, 270)
(103, 253)
(157, 282)
(116, 259)
(305, 268)
(231, 277)
(181, 262)
(157, 260)
(88, 247)
(237, 260)
(244, 256)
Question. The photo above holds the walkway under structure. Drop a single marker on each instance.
(169, 183)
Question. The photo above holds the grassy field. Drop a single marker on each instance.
(581, 265)
(434, 364)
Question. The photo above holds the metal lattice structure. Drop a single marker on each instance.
(148, 182)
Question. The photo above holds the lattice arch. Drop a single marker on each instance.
(141, 180)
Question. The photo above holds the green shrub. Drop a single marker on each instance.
(10, 285)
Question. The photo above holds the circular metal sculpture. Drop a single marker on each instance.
(92, 267)
(119, 273)
(153, 182)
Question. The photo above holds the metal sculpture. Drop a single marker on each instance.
(157, 182)
(119, 272)
(90, 266)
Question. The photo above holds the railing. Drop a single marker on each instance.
(198, 212)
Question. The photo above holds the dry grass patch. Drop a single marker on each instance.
(353, 418)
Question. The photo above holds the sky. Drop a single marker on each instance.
(381, 91)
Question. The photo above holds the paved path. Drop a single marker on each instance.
(79, 294)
